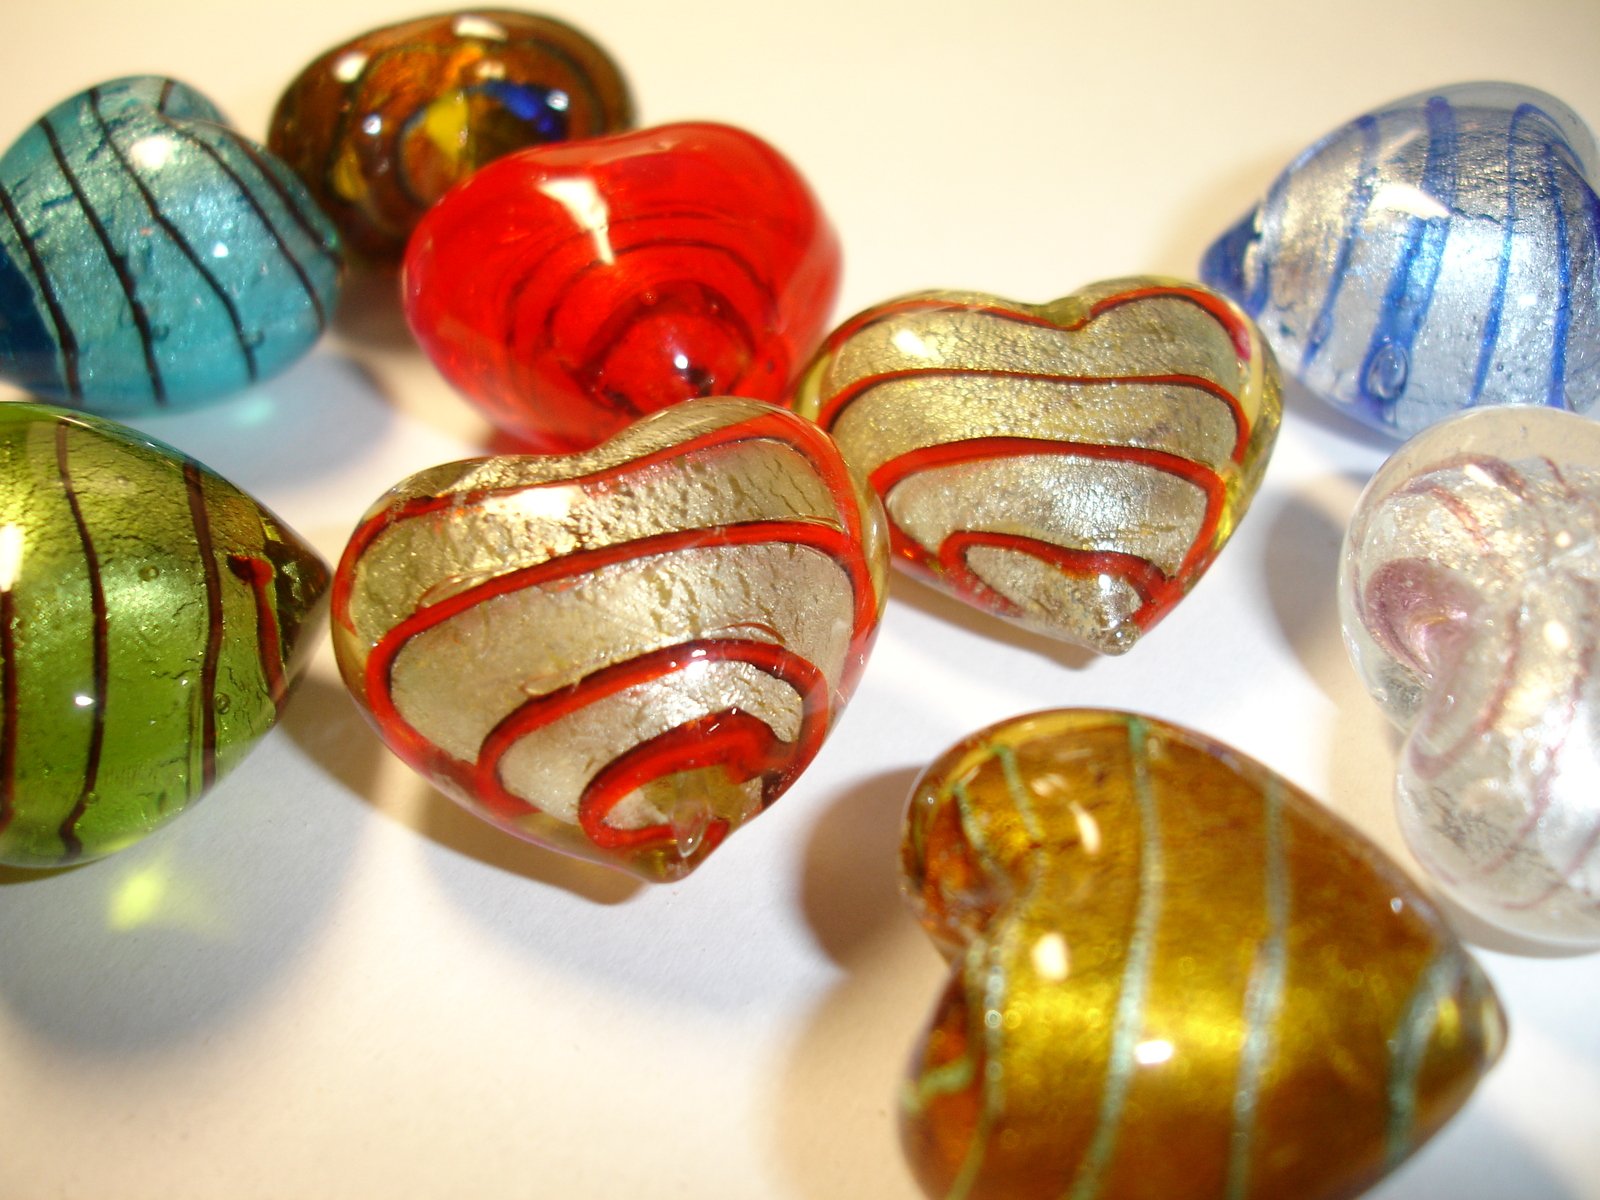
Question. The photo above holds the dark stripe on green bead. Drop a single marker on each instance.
(99, 634)
(195, 486)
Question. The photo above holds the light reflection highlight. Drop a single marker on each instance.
(588, 210)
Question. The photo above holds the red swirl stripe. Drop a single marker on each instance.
(257, 574)
(738, 742)
(774, 425)
(1156, 590)
(825, 538)
(420, 752)
(200, 518)
(1215, 306)
(834, 409)
(887, 312)
(1159, 591)
(1237, 329)
(741, 744)
(641, 241)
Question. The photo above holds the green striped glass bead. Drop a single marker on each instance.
(1174, 977)
(152, 618)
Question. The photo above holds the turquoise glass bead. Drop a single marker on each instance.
(150, 255)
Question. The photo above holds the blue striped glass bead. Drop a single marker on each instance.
(1440, 253)
(150, 255)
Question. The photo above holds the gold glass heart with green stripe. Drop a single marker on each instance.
(1174, 976)
(152, 618)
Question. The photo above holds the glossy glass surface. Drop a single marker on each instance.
(150, 255)
(1173, 976)
(1470, 595)
(623, 654)
(570, 289)
(152, 618)
(1437, 254)
(380, 126)
(1075, 466)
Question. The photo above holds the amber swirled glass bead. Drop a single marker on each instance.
(1073, 466)
(152, 619)
(624, 653)
(382, 125)
(1173, 977)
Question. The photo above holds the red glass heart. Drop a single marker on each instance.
(570, 289)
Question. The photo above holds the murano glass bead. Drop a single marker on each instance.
(1172, 975)
(1074, 466)
(152, 620)
(1437, 254)
(624, 653)
(1470, 597)
(382, 125)
(570, 289)
(150, 255)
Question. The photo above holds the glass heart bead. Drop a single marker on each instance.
(1470, 597)
(1172, 975)
(623, 653)
(572, 288)
(152, 619)
(150, 255)
(1073, 466)
(1434, 255)
(382, 125)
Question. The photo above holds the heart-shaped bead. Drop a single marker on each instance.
(572, 288)
(1075, 466)
(1470, 594)
(150, 255)
(1172, 974)
(152, 618)
(624, 653)
(1433, 255)
(380, 126)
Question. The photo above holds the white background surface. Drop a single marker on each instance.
(325, 981)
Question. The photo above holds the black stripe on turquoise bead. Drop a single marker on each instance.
(248, 194)
(141, 318)
(175, 236)
(41, 362)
